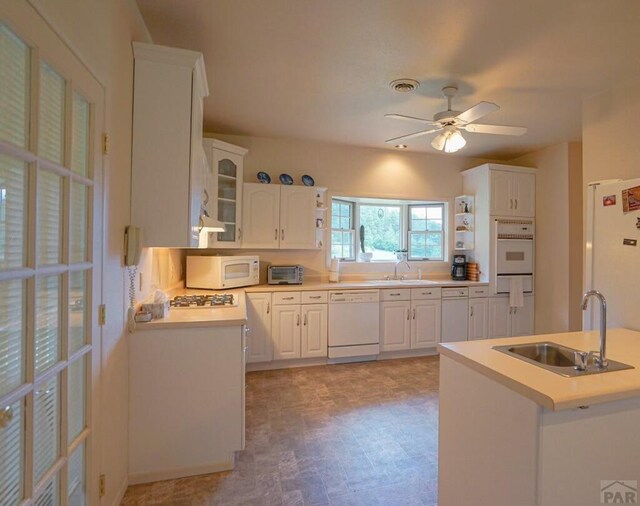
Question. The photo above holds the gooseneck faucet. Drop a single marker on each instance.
(395, 269)
(601, 362)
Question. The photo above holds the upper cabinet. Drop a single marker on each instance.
(168, 198)
(224, 191)
(281, 217)
(512, 193)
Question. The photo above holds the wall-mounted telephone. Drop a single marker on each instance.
(132, 245)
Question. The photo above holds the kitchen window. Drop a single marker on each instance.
(376, 229)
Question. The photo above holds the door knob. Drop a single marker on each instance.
(6, 415)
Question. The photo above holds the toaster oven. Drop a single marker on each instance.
(285, 274)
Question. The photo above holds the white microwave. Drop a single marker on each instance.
(218, 272)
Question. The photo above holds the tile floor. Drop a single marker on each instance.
(353, 434)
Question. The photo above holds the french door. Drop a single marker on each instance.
(50, 256)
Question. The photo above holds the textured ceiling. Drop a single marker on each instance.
(319, 69)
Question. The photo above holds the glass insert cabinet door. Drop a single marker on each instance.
(50, 107)
(225, 191)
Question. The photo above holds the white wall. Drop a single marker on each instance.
(352, 171)
(558, 217)
(100, 33)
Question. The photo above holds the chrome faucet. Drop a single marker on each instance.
(601, 362)
(395, 269)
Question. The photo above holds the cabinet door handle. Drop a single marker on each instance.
(268, 307)
(287, 298)
(394, 294)
(315, 297)
(282, 234)
(298, 320)
(515, 310)
(510, 310)
(511, 204)
(305, 320)
(471, 314)
(239, 234)
(276, 237)
(516, 203)
(414, 313)
(408, 314)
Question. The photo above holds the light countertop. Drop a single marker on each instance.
(362, 285)
(549, 389)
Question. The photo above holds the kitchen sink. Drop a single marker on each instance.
(556, 358)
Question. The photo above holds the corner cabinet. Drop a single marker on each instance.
(280, 217)
(224, 191)
(168, 161)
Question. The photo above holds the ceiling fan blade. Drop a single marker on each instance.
(477, 111)
(495, 129)
(411, 136)
(409, 118)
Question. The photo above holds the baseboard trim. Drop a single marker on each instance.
(389, 355)
(172, 474)
(286, 364)
(121, 493)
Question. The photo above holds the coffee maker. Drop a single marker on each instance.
(459, 268)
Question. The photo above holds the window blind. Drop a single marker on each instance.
(46, 427)
(80, 135)
(76, 397)
(49, 218)
(47, 350)
(12, 451)
(13, 212)
(12, 331)
(52, 105)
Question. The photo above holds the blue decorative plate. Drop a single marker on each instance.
(263, 177)
(308, 180)
(286, 179)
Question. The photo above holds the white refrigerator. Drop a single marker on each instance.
(613, 252)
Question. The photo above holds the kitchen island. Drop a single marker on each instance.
(513, 433)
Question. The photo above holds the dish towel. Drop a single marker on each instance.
(516, 295)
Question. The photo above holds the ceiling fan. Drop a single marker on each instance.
(451, 122)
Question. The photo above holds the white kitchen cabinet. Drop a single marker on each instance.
(224, 191)
(314, 331)
(478, 318)
(425, 323)
(190, 418)
(286, 332)
(395, 325)
(279, 217)
(259, 322)
(505, 321)
(512, 193)
(168, 160)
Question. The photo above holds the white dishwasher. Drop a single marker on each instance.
(354, 327)
(455, 307)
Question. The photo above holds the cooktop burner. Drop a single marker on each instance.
(202, 301)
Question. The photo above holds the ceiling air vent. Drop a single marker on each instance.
(404, 85)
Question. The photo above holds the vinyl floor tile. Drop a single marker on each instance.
(341, 435)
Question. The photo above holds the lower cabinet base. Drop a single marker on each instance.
(172, 474)
(309, 362)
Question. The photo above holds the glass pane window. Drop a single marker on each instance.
(342, 230)
(50, 494)
(46, 427)
(426, 232)
(12, 451)
(49, 218)
(80, 135)
(382, 230)
(76, 490)
(14, 88)
(12, 333)
(51, 122)
(76, 397)
(77, 310)
(47, 352)
(78, 223)
(13, 212)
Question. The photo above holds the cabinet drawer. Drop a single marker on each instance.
(395, 294)
(425, 293)
(478, 291)
(286, 298)
(463, 291)
(314, 297)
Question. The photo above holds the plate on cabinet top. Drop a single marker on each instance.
(308, 180)
(263, 177)
(286, 179)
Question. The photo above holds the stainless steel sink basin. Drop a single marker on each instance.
(556, 358)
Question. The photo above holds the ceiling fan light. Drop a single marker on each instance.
(454, 142)
(439, 141)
